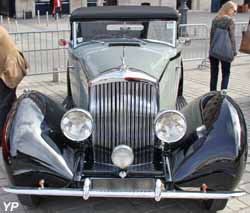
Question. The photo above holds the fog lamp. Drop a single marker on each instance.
(170, 126)
(77, 124)
(122, 156)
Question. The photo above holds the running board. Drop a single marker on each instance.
(86, 192)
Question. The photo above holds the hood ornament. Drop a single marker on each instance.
(124, 67)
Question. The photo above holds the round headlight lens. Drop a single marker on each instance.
(122, 156)
(170, 126)
(77, 124)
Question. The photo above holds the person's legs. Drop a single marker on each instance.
(225, 67)
(7, 97)
(214, 69)
(58, 12)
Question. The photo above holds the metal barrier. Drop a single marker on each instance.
(46, 56)
(42, 50)
(199, 35)
(199, 41)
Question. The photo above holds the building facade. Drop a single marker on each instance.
(201, 5)
(29, 8)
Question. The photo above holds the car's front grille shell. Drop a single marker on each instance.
(124, 113)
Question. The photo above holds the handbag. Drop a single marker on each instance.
(245, 41)
(221, 46)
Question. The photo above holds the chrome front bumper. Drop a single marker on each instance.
(86, 192)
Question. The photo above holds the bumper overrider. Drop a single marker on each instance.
(158, 193)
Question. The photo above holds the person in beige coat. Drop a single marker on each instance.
(13, 68)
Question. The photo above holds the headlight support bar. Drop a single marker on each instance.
(166, 159)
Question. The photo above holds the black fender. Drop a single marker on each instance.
(34, 147)
(180, 87)
(217, 156)
(68, 101)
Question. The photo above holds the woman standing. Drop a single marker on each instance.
(57, 8)
(225, 21)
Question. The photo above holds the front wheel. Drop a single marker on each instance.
(215, 205)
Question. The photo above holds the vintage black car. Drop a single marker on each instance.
(125, 129)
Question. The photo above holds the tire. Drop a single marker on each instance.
(31, 201)
(215, 205)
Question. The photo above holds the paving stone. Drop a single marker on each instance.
(30, 210)
(57, 204)
(245, 178)
(246, 210)
(74, 210)
(112, 204)
(145, 205)
(245, 199)
(245, 187)
(248, 167)
(191, 205)
(170, 209)
(226, 210)
(236, 205)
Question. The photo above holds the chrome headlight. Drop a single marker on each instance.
(122, 156)
(170, 126)
(77, 124)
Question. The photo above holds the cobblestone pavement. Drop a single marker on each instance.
(196, 83)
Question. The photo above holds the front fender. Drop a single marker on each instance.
(34, 140)
(218, 157)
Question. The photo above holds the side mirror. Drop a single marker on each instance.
(185, 41)
(62, 42)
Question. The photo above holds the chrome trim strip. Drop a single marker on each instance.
(121, 194)
(113, 114)
(119, 75)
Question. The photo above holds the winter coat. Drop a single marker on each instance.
(13, 65)
(56, 5)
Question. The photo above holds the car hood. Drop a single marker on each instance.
(151, 58)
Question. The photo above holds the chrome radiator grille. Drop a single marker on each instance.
(124, 113)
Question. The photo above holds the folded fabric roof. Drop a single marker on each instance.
(124, 13)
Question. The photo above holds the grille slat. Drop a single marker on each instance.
(113, 112)
(123, 113)
(109, 112)
(129, 114)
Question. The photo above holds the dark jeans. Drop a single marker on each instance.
(7, 97)
(214, 70)
(59, 12)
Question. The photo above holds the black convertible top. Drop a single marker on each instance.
(123, 13)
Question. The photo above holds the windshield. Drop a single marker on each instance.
(156, 31)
